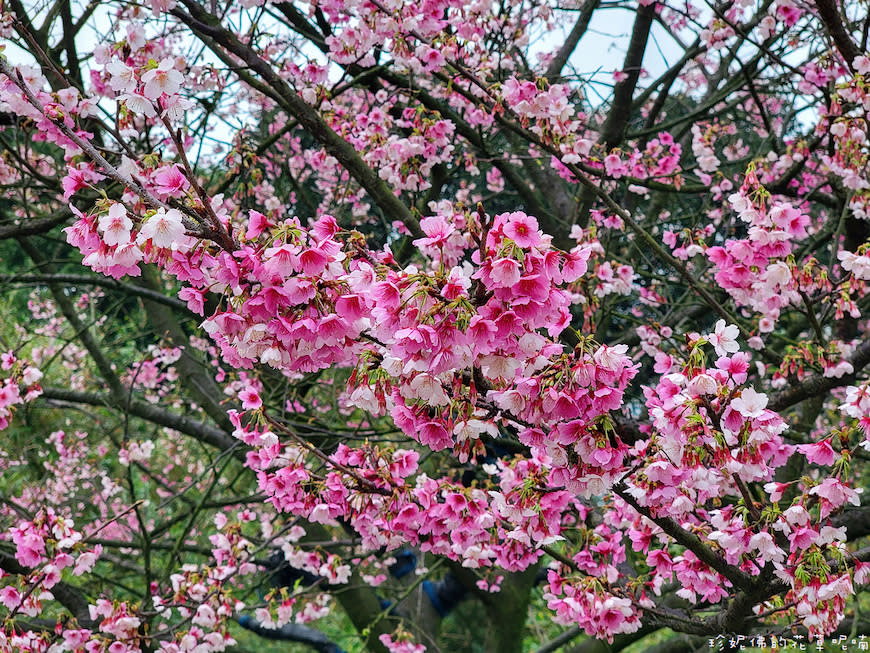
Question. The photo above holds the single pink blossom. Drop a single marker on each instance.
(163, 79)
(115, 226)
(523, 230)
(250, 399)
(819, 453)
(164, 229)
(170, 180)
(750, 403)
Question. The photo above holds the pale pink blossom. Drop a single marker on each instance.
(750, 403)
(858, 265)
(163, 79)
(163, 229)
(123, 77)
(115, 225)
(861, 64)
(724, 338)
(138, 104)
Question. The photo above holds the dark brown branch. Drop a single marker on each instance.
(68, 42)
(691, 541)
(82, 332)
(679, 644)
(817, 384)
(554, 70)
(205, 433)
(560, 640)
(667, 78)
(856, 521)
(103, 282)
(620, 109)
(620, 642)
(300, 25)
(619, 113)
(35, 226)
(196, 379)
(833, 23)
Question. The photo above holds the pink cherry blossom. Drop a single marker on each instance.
(523, 230)
(115, 225)
(170, 180)
(250, 399)
(820, 453)
(724, 338)
(750, 403)
(448, 293)
(123, 77)
(162, 79)
(163, 229)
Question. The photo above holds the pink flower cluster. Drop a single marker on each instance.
(404, 162)
(568, 401)
(771, 233)
(45, 546)
(369, 487)
(400, 645)
(18, 384)
(532, 103)
(601, 614)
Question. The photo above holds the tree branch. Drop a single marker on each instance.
(619, 113)
(554, 70)
(201, 431)
(817, 384)
(692, 542)
(208, 29)
(35, 226)
(831, 18)
(103, 282)
(193, 374)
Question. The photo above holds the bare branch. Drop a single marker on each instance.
(554, 70)
(205, 433)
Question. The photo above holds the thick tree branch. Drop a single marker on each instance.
(82, 332)
(619, 113)
(692, 542)
(667, 78)
(830, 16)
(817, 384)
(620, 642)
(195, 378)
(21, 228)
(554, 70)
(856, 520)
(201, 431)
(620, 108)
(359, 601)
(103, 282)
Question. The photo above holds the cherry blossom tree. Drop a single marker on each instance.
(364, 308)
